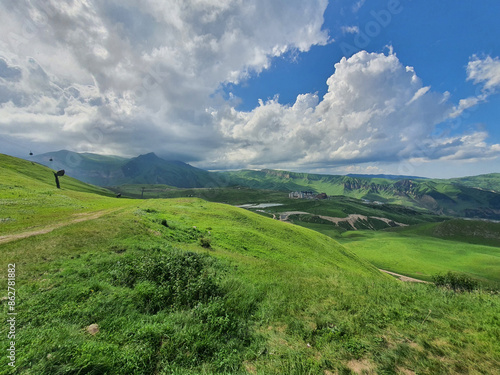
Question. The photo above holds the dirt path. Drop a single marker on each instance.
(77, 218)
(405, 278)
(284, 215)
(351, 219)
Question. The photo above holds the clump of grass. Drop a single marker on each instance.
(205, 242)
(169, 280)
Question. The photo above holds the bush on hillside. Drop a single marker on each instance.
(205, 242)
(213, 328)
(171, 280)
(456, 282)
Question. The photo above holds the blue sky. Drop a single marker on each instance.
(374, 86)
(436, 38)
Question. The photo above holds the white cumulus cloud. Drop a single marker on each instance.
(376, 109)
(485, 71)
(142, 72)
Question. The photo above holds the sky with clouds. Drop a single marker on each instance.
(379, 86)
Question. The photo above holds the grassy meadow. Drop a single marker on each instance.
(187, 286)
(422, 257)
(29, 198)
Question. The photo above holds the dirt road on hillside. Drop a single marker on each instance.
(351, 219)
(77, 218)
(405, 278)
(284, 215)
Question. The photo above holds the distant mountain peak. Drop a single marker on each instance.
(150, 155)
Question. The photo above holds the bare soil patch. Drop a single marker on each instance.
(404, 278)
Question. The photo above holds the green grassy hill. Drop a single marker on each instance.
(31, 200)
(186, 286)
(379, 216)
(468, 231)
(489, 181)
(424, 252)
(14, 169)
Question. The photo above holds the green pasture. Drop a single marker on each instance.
(30, 200)
(422, 257)
(187, 286)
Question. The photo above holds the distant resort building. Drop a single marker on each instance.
(301, 194)
(306, 195)
(367, 201)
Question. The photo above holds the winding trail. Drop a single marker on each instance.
(284, 215)
(78, 218)
(351, 219)
(405, 278)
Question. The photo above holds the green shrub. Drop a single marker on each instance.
(172, 280)
(205, 242)
(456, 282)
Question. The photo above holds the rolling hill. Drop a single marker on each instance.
(30, 200)
(185, 286)
(489, 182)
(461, 230)
(470, 247)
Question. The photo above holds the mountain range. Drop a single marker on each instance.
(104, 170)
(477, 196)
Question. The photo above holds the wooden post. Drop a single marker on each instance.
(57, 175)
(57, 180)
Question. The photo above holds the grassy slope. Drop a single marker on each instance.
(418, 254)
(30, 199)
(486, 181)
(15, 168)
(337, 206)
(423, 250)
(281, 299)
(469, 231)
